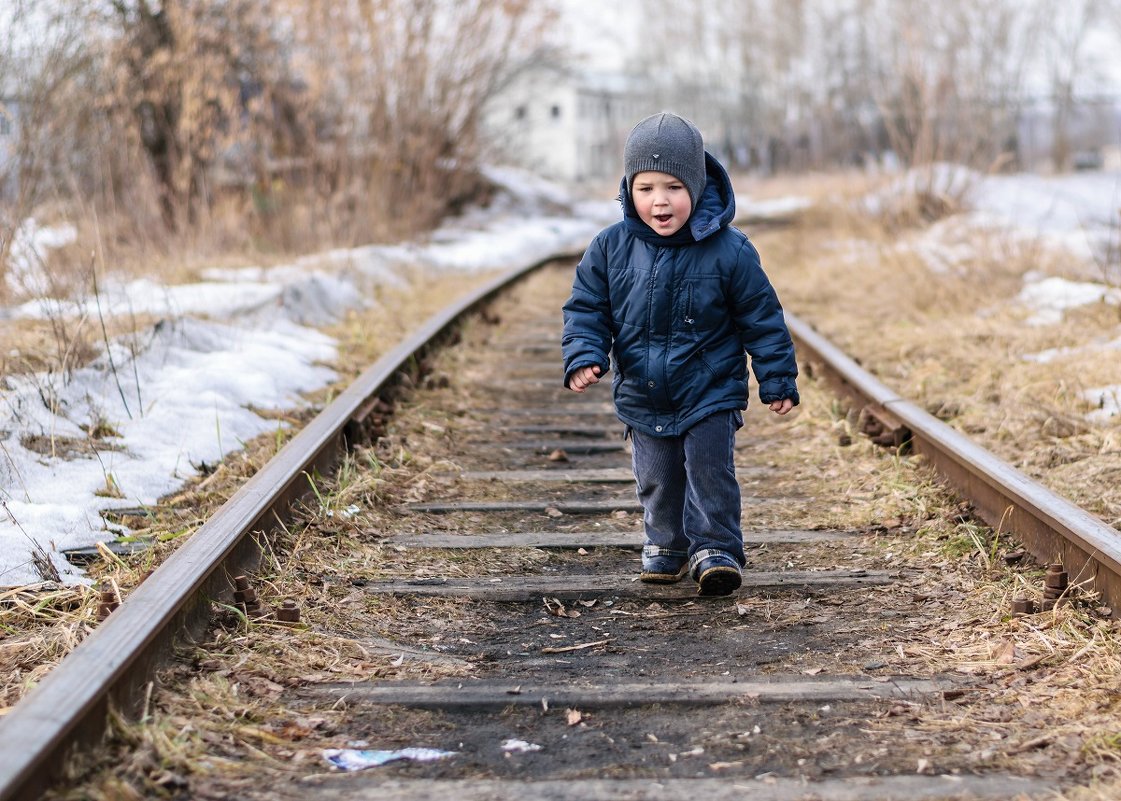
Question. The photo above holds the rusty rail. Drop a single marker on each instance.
(1050, 527)
(114, 665)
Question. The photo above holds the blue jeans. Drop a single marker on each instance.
(688, 490)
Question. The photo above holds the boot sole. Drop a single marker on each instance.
(719, 580)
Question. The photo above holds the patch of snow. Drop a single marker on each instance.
(1078, 212)
(944, 246)
(28, 251)
(178, 403)
(1108, 401)
(950, 180)
(772, 207)
(1050, 297)
(178, 393)
(1100, 345)
(482, 250)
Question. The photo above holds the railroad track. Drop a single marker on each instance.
(508, 586)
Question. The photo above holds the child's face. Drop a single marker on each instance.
(662, 201)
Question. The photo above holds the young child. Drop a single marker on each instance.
(676, 296)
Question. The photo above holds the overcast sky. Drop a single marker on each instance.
(600, 36)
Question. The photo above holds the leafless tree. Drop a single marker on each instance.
(400, 85)
(948, 80)
(1066, 60)
(180, 73)
(827, 81)
(42, 54)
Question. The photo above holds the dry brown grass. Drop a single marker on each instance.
(954, 340)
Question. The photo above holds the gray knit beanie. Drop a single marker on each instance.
(667, 143)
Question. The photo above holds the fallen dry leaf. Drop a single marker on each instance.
(556, 608)
(1005, 653)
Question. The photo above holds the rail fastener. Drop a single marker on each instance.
(109, 599)
(245, 596)
(1055, 581)
(1055, 584)
(288, 611)
(883, 428)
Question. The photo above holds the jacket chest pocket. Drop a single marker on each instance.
(687, 316)
(701, 306)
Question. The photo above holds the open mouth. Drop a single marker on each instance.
(663, 218)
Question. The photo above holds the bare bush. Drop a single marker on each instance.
(951, 83)
(225, 125)
(322, 122)
(177, 80)
(399, 87)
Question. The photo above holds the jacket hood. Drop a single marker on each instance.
(715, 210)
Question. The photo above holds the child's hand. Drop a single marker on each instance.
(584, 378)
(782, 406)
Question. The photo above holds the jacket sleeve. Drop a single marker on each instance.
(762, 328)
(587, 315)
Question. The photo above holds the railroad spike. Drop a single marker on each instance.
(109, 600)
(245, 596)
(883, 428)
(288, 611)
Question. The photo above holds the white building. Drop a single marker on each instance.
(564, 125)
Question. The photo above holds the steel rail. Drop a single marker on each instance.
(113, 666)
(1050, 527)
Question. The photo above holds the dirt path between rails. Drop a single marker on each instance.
(248, 713)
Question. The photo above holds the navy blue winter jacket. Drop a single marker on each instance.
(677, 313)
